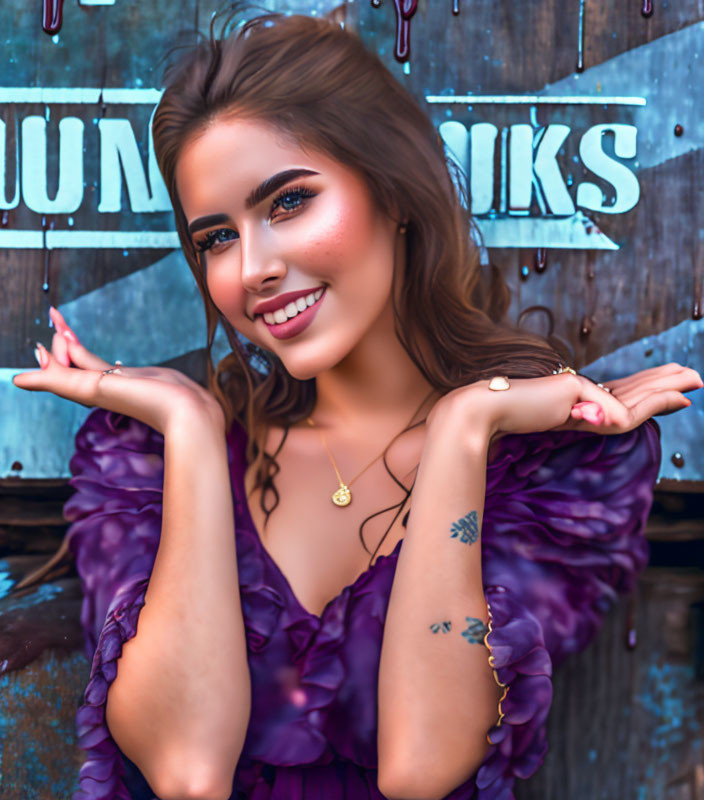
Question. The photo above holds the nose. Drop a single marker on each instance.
(261, 264)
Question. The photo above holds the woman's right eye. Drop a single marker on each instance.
(216, 237)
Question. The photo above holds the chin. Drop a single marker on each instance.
(303, 370)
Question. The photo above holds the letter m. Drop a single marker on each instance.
(118, 148)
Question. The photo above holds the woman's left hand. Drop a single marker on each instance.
(572, 402)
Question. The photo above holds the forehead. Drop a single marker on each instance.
(222, 163)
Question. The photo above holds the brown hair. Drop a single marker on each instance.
(316, 82)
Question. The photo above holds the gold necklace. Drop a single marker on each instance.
(342, 496)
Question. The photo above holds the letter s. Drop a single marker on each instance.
(589, 195)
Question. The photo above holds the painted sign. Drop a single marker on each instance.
(535, 206)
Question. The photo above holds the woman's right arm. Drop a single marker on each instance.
(180, 704)
(172, 653)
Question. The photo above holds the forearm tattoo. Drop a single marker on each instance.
(466, 529)
(475, 633)
(441, 626)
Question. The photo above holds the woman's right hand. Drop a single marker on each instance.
(153, 395)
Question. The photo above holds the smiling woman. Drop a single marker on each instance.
(277, 656)
(260, 249)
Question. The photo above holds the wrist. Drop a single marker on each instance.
(195, 419)
(461, 423)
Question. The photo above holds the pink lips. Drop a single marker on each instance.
(294, 326)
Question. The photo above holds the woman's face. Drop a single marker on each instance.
(271, 218)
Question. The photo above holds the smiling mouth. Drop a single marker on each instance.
(293, 309)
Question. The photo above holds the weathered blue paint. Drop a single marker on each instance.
(683, 431)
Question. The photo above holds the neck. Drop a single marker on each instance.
(376, 386)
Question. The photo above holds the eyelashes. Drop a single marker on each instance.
(297, 191)
(283, 200)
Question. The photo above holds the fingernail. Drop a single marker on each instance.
(41, 356)
(61, 325)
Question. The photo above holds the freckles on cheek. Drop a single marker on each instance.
(342, 231)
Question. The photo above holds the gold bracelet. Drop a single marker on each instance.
(492, 662)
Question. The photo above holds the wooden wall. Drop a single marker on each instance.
(625, 291)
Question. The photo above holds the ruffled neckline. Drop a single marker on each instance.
(349, 589)
(503, 450)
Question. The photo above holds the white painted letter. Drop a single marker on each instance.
(625, 183)
(34, 185)
(535, 159)
(456, 138)
(4, 202)
(520, 190)
(548, 172)
(483, 146)
(119, 146)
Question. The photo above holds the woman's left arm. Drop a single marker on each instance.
(437, 693)
(438, 696)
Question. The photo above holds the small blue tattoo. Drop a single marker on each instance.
(444, 626)
(476, 631)
(466, 529)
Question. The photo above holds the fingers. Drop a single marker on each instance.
(79, 385)
(658, 404)
(59, 349)
(681, 379)
(40, 379)
(605, 411)
(76, 352)
(599, 407)
(634, 398)
(644, 375)
(672, 375)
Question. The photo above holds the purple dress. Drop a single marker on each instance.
(562, 535)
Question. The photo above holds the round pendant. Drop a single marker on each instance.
(342, 497)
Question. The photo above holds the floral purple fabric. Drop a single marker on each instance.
(562, 536)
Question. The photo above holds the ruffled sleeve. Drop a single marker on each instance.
(562, 537)
(115, 516)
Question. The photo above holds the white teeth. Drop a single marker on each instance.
(292, 309)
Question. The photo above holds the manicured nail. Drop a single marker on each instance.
(41, 355)
(61, 325)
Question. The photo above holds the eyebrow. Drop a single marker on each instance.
(267, 187)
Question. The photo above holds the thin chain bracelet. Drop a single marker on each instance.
(492, 661)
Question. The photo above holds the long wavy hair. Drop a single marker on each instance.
(315, 81)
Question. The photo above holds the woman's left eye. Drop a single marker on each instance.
(292, 199)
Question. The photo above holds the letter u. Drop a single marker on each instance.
(34, 184)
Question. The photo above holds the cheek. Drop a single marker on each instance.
(339, 235)
(225, 290)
